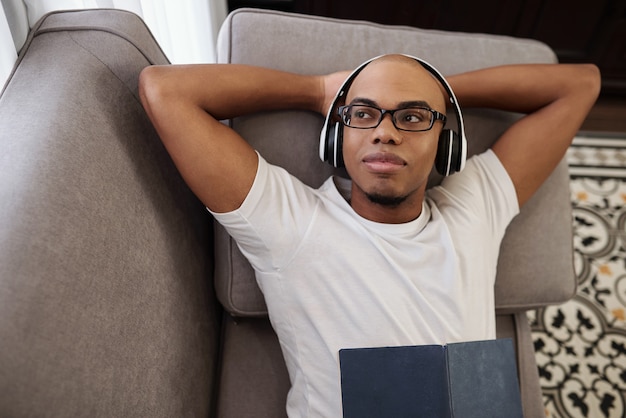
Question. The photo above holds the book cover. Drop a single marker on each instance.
(462, 380)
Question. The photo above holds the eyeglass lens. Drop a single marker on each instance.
(408, 119)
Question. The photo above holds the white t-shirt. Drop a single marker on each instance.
(332, 279)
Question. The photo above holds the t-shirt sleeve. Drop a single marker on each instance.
(482, 190)
(271, 222)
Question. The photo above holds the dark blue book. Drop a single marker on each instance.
(462, 380)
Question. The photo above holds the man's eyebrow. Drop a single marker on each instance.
(413, 103)
(363, 101)
(401, 105)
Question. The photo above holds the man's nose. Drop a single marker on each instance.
(386, 132)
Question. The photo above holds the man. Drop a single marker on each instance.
(377, 261)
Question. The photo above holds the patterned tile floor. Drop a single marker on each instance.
(581, 345)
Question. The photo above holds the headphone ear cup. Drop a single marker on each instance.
(450, 153)
(326, 142)
(335, 145)
(331, 145)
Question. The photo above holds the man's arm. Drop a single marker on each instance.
(555, 98)
(185, 104)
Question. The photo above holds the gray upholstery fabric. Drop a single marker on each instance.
(535, 266)
(106, 303)
(253, 376)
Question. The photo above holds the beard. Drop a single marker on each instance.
(386, 201)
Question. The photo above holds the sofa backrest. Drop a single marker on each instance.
(535, 266)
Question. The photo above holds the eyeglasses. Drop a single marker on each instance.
(413, 119)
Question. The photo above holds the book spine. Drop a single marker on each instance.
(448, 393)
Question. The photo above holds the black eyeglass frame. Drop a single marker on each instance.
(435, 116)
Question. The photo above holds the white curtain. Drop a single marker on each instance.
(185, 29)
(8, 55)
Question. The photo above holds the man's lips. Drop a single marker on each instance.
(383, 162)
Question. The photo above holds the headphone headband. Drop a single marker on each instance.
(331, 135)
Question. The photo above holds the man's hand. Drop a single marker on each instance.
(330, 85)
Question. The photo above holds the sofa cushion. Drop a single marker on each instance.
(535, 266)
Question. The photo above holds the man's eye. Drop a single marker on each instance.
(413, 117)
(362, 114)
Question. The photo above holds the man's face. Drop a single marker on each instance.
(389, 168)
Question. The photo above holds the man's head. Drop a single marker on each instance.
(389, 156)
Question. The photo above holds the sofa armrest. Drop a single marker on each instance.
(106, 300)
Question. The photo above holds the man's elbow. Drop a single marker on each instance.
(152, 89)
(590, 80)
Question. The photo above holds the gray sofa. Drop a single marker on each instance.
(118, 295)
